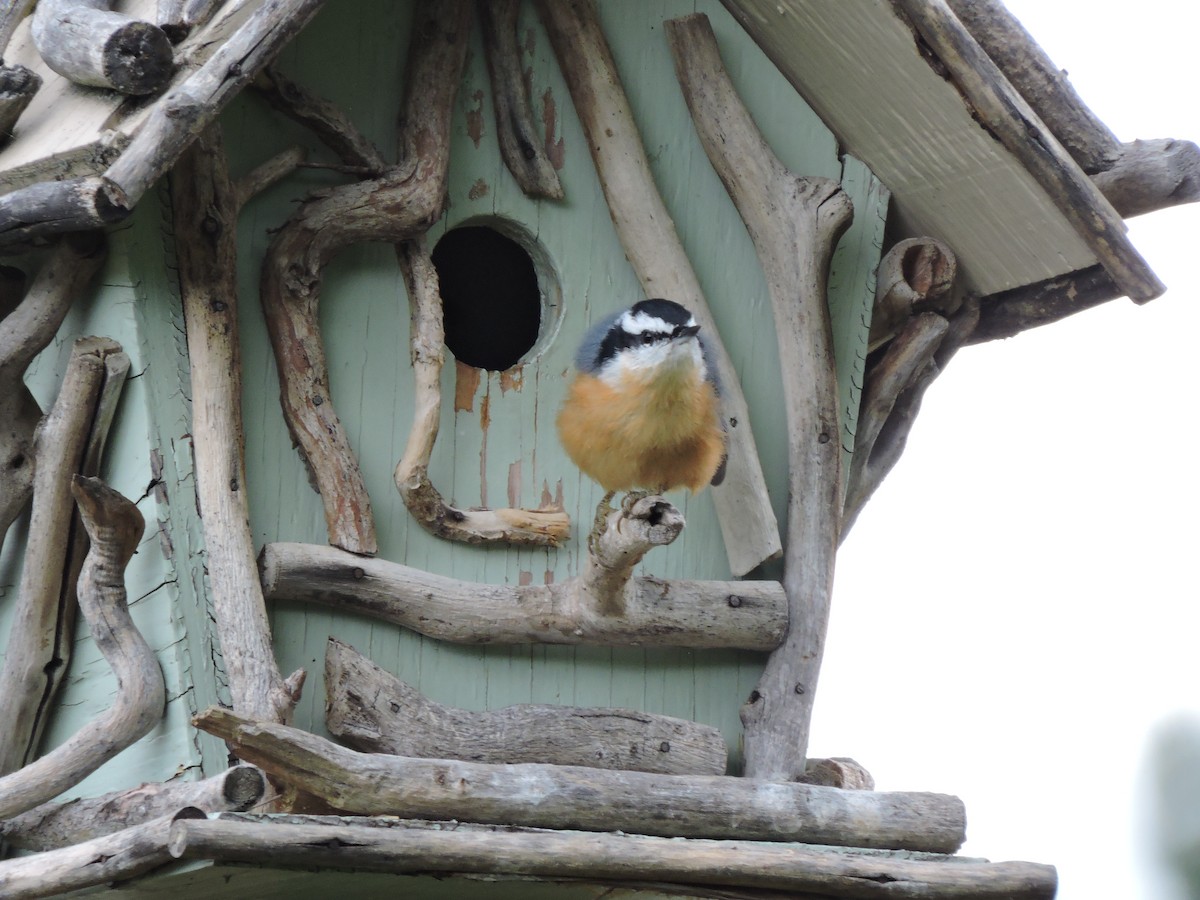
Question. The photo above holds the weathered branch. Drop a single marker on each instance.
(1151, 175)
(402, 203)
(1007, 115)
(204, 207)
(17, 87)
(178, 18)
(520, 146)
(794, 223)
(322, 118)
(39, 633)
(371, 710)
(266, 174)
(546, 796)
(915, 276)
(1008, 313)
(87, 43)
(115, 527)
(749, 615)
(54, 207)
(528, 527)
(416, 847)
(54, 825)
(647, 234)
(114, 857)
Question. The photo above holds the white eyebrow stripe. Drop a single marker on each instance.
(642, 322)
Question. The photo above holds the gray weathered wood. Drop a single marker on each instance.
(54, 825)
(372, 710)
(204, 207)
(18, 84)
(32, 665)
(611, 857)
(1008, 313)
(427, 350)
(546, 796)
(115, 527)
(652, 246)
(1151, 175)
(395, 207)
(88, 43)
(794, 223)
(749, 615)
(55, 207)
(119, 856)
(521, 147)
(915, 275)
(997, 105)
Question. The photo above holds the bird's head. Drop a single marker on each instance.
(652, 338)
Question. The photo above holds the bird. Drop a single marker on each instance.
(643, 408)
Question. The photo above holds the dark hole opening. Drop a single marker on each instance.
(490, 298)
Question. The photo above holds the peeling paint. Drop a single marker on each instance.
(554, 147)
(548, 578)
(478, 190)
(554, 502)
(512, 379)
(514, 484)
(466, 383)
(475, 118)
(525, 578)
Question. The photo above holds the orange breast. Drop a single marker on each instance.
(640, 434)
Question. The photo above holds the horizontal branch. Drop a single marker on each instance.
(417, 847)
(370, 709)
(1008, 313)
(547, 796)
(750, 615)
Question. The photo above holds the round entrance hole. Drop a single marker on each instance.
(492, 284)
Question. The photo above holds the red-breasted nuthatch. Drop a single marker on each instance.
(643, 410)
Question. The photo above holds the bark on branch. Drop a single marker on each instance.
(413, 846)
(42, 631)
(747, 615)
(592, 799)
(204, 205)
(371, 710)
(647, 233)
(398, 205)
(520, 146)
(522, 527)
(794, 223)
(88, 43)
(54, 825)
(17, 87)
(115, 527)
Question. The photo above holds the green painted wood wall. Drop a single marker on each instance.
(500, 448)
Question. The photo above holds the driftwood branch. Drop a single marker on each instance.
(916, 275)
(178, 18)
(700, 614)
(1008, 116)
(371, 710)
(592, 799)
(794, 223)
(42, 629)
(647, 233)
(18, 84)
(1008, 313)
(204, 206)
(520, 145)
(323, 118)
(115, 527)
(528, 527)
(54, 825)
(88, 43)
(114, 857)
(54, 207)
(399, 205)
(1151, 175)
(266, 174)
(409, 846)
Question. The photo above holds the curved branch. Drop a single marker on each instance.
(915, 276)
(749, 615)
(402, 203)
(524, 154)
(528, 527)
(115, 527)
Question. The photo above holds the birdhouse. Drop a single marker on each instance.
(293, 301)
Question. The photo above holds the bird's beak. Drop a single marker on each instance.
(687, 331)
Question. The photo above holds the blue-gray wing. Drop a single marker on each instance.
(714, 378)
(589, 350)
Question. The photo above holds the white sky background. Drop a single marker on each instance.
(1016, 609)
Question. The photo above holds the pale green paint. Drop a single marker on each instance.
(365, 319)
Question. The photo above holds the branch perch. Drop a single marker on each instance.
(652, 246)
(794, 223)
(371, 710)
(522, 150)
(54, 825)
(549, 796)
(524, 527)
(915, 276)
(748, 615)
(204, 206)
(115, 527)
(395, 207)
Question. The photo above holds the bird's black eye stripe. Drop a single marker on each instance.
(648, 337)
